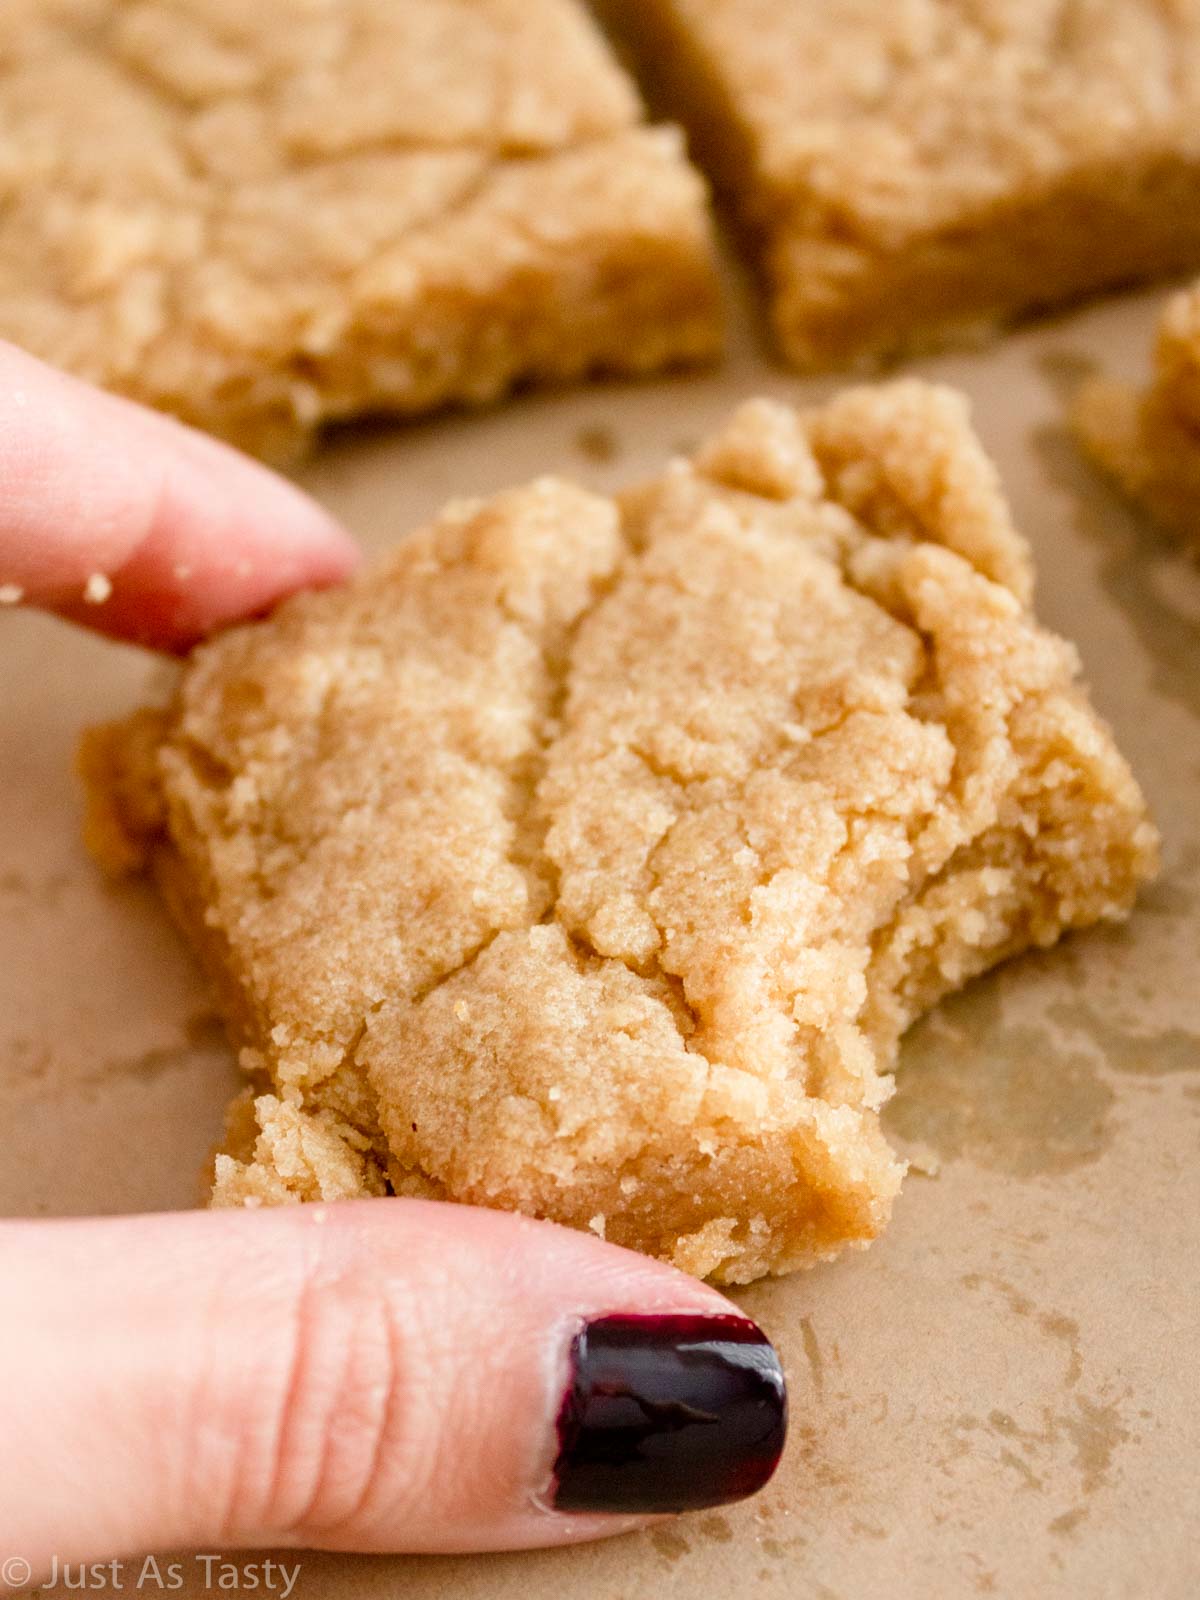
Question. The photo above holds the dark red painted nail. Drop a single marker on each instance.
(668, 1414)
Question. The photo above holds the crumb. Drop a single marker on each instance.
(11, 594)
(97, 589)
(923, 1159)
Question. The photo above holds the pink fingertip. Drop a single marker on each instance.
(136, 526)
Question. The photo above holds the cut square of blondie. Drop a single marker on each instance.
(266, 216)
(1148, 440)
(589, 857)
(914, 171)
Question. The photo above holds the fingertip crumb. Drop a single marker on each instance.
(97, 589)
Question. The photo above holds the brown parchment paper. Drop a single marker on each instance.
(1001, 1397)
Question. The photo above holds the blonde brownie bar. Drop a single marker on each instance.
(590, 857)
(917, 171)
(1148, 441)
(267, 216)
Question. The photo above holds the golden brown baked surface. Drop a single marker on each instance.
(590, 857)
(265, 215)
(1148, 440)
(919, 170)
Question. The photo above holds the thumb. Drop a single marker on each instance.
(388, 1375)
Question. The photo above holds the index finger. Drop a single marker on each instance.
(133, 524)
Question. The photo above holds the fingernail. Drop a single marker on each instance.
(668, 1413)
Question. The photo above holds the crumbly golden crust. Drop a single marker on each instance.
(921, 170)
(1148, 440)
(590, 858)
(264, 216)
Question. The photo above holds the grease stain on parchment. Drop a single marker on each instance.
(1153, 1054)
(1067, 371)
(1006, 1097)
(1026, 1476)
(1080, 1431)
(1053, 1324)
(808, 1446)
(46, 891)
(26, 1065)
(812, 1351)
(29, 1072)
(204, 1030)
(716, 1528)
(1068, 1522)
(1173, 895)
(867, 1530)
(1096, 1430)
(1155, 585)
(598, 443)
(1092, 1430)
(669, 1543)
